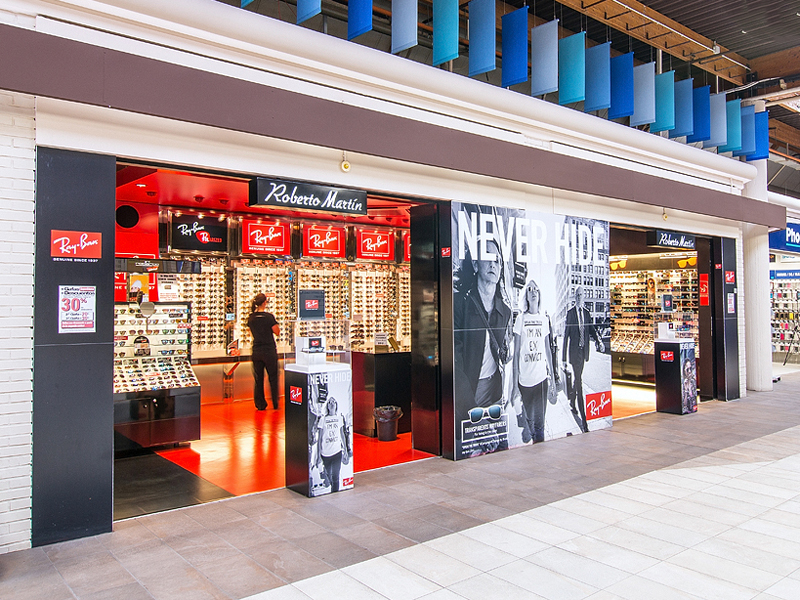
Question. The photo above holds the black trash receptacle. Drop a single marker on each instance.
(387, 417)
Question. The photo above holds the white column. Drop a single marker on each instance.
(758, 323)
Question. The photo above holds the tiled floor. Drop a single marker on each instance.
(660, 506)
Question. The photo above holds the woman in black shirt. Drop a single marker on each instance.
(264, 328)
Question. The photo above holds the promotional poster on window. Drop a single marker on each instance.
(531, 327)
(330, 427)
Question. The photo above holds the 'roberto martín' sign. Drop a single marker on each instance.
(670, 239)
(292, 194)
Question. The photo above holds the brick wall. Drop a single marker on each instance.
(17, 169)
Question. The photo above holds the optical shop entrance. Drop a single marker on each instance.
(197, 255)
(666, 289)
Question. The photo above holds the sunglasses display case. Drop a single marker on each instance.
(636, 297)
(206, 293)
(156, 392)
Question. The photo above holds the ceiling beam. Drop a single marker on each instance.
(661, 32)
(784, 134)
(779, 64)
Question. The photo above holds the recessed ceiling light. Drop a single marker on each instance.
(141, 185)
(743, 31)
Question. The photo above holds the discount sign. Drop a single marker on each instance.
(77, 309)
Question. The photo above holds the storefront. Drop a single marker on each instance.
(784, 275)
(478, 213)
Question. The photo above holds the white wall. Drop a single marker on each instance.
(17, 169)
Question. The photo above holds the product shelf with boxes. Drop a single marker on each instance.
(785, 299)
(156, 392)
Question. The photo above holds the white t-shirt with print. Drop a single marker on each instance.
(532, 331)
(330, 426)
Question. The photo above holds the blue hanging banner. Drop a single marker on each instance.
(544, 58)
(445, 31)
(246, 2)
(762, 136)
(621, 86)
(404, 25)
(701, 101)
(307, 9)
(665, 102)
(644, 94)
(684, 109)
(734, 123)
(482, 36)
(572, 68)
(515, 47)
(598, 77)
(748, 132)
(359, 18)
(719, 121)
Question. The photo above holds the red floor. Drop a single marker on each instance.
(242, 450)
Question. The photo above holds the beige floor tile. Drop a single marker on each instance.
(336, 585)
(750, 556)
(693, 582)
(390, 579)
(505, 540)
(786, 589)
(725, 569)
(471, 552)
(564, 519)
(536, 529)
(544, 582)
(486, 586)
(440, 568)
(631, 540)
(609, 554)
(578, 567)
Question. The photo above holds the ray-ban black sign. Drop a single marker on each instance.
(670, 239)
(293, 194)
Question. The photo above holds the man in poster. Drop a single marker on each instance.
(482, 333)
(578, 330)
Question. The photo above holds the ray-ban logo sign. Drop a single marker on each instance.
(72, 245)
(293, 194)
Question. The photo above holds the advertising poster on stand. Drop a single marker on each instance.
(330, 427)
(530, 316)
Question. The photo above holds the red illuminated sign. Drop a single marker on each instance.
(407, 246)
(265, 238)
(446, 252)
(312, 304)
(703, 289)
(730, 277)
(323, 241)
(76, 244)
(667, 356)
(375, 245)
(598, 405)
(295, 395)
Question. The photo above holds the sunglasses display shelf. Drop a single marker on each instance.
(156, 392)
(373, 304)
(785, 297)
(404, 308)
(277, 282)
(206, 294)
(330, 278)
(631, 313)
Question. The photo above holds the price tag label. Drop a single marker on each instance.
(77, 309)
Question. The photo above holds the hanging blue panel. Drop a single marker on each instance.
(762, 136)
(719, 122)
(515, 47)
(701, 100)
(544, 58)
(404, 25)
(644, 94)
(482, 36)
(246, 2)
(748, 131)
(307, 9)
(684, 109)
(445, 31)
(598, 77)
(734, 123)
(621, 86)
(665, 102)
(359, 18)
(572, 68)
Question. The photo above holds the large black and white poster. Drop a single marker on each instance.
(530, 327)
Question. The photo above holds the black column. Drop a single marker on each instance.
(706, 361)
(726, 311)
(72, 378)
(430, 428)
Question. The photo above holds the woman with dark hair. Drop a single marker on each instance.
(533, 362)
(264, 328)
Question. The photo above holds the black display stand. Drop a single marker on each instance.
(156, 417)
(676, 385)
(308, 388)
(380, 380)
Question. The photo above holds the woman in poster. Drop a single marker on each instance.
(332, 444)
(533, 363)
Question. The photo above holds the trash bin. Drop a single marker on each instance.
(387, 417)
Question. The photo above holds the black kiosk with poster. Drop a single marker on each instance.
(319, 402)
(676, 380)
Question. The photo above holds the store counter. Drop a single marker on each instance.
(380, 380)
